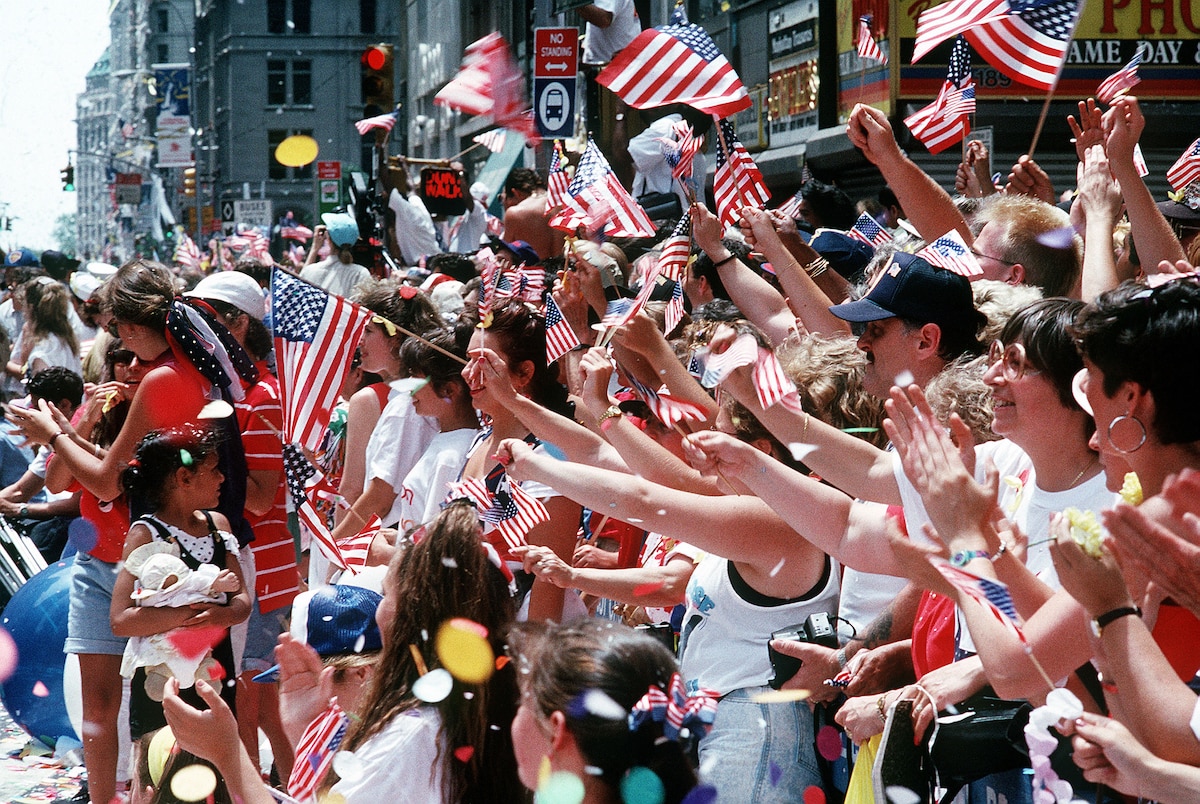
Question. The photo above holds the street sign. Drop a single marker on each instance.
(329, 186)
(555, 52)
(129, 188)
(554, 106)
(254, 212)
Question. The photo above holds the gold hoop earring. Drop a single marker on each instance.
(1126, 417)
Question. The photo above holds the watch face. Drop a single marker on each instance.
(1095, 627)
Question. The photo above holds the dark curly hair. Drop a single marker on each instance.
(1149, 336)
(159, 454)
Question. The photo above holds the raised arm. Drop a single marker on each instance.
(794, 268)
(853, 465)
(929, 208)
(637, 586)
(1099, 201)
(740, 528)
(1156, 241)
(759, 302)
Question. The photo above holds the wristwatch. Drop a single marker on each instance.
(1113, 615)
(964, 557)
(613, 412)
(23, 512)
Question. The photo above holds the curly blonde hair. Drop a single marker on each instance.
(959, 388)
(828, 373)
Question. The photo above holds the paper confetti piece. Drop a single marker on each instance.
(434, 686)
(464, 650)
(193, 783)
(642, 786)
(781, 696)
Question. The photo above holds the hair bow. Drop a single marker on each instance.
(675, 709)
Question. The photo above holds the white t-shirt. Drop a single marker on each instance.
(403, 756)
(424, 487)
(601, 44)
(54, 351)
(727, 626)
(400, 436)
(653, 172)
(415, 236)
(335, 276)
(657, 550)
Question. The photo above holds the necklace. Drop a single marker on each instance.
(1086, 466)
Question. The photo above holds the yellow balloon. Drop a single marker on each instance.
(463, 649)
(296, 151)
(156, 755)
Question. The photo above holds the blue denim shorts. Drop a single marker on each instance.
(262, 634)
(88, 627)
(759, 753)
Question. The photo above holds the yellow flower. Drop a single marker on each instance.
(1131, 489)
(1085, 530)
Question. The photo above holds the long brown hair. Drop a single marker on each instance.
(48, 308)
(448, 574)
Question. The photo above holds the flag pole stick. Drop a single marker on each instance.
(425, 341)
(465, 152)
(1037, 132)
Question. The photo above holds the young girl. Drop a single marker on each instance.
(175, 472)
(444, 397)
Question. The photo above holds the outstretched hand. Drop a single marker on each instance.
(211, 734)
(305, 685)
(713, 454)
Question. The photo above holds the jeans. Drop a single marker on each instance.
(760, 753)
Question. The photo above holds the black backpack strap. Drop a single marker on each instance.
(155, 526)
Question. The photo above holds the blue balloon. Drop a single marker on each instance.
(37, 619)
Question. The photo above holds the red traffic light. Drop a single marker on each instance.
(374, 58)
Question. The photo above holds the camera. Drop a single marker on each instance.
(817, 628)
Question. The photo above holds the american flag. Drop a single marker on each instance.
(791, 207)
(596, 196)
(187, 253)
(560, 338)
(384, 121)
(742, 352)
(946, 120)
(674, 312)
(315, 338)
(1187, 168)
(354, 549)
(514, 513)
(1122, 80)
(868, 230)
(681, 150)
(737, 182)
(314, 752)
(669, 410)
(676, 251)
(294, 231)
(771, 384)
(936, 25)
(492, 140)
(676, 63)
(868, 48)
(305, 481)
(992, 595)
(950, 252)
(557, 180)
(1030, 43)
(473, 489)
(488, 82)
(618, 312)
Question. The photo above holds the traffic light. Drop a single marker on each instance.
(68, 178)
(189, 182)
(377, 80)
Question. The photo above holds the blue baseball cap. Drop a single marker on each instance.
(334, 621)
(21, 257)
(910, 288)
(343, 229)
(846, 255)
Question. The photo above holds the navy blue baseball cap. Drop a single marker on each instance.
(911, 288)
(21, 257)
(845, 254)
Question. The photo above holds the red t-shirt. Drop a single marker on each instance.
(260, 419)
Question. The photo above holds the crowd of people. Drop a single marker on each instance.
(782, 525)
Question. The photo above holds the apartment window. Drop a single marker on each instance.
(276, 16)
(163, 18)
(276, 171)
(276, 82)
(163, 52)
(302, 83)
(366, 16)
(302, 16)
(281, 74)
